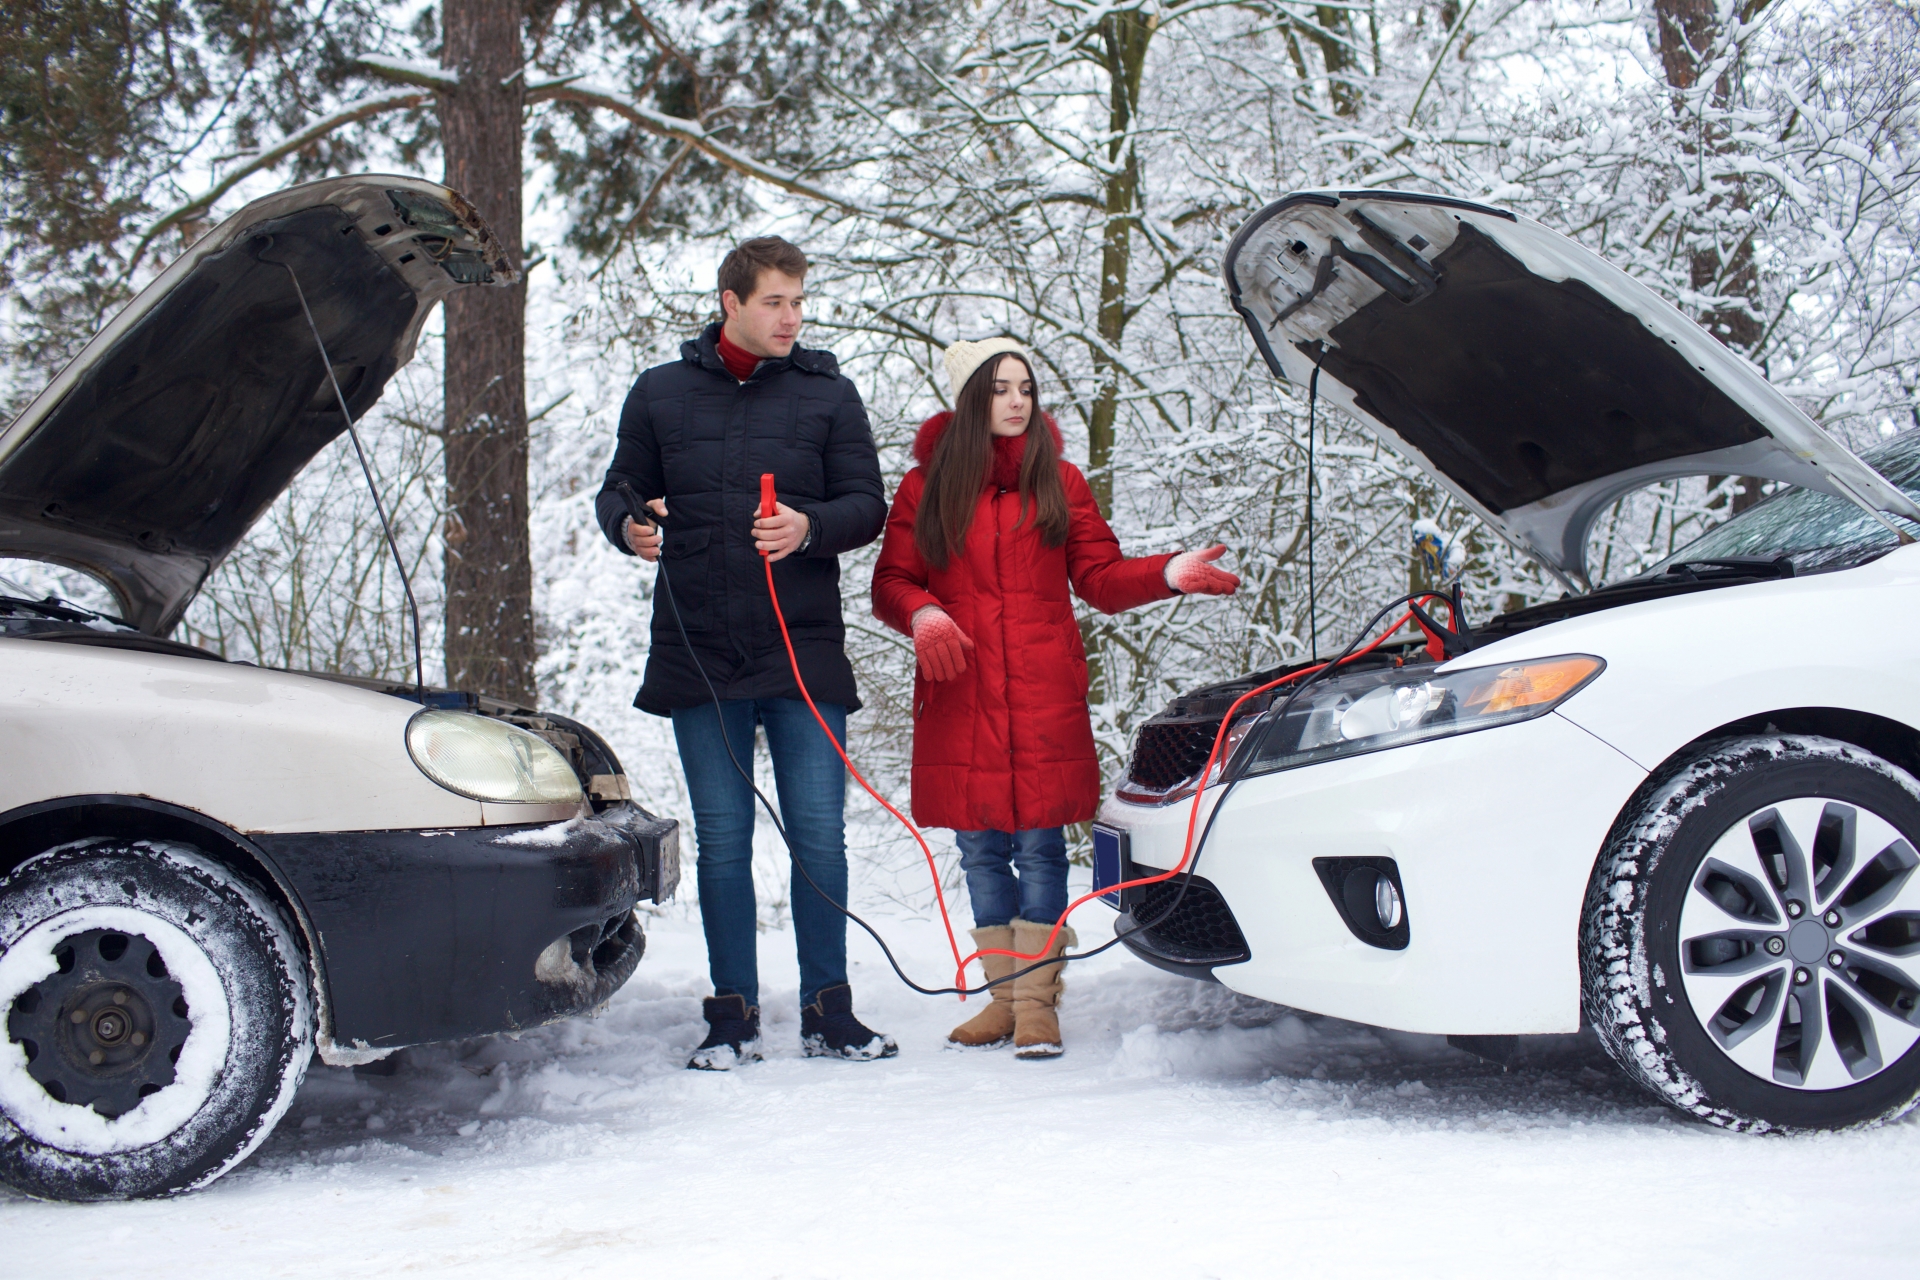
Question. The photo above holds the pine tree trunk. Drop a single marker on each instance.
(1125, 38)
(489, 574)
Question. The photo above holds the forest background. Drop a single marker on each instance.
(1063, 171)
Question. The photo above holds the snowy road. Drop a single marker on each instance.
(1186, 1133)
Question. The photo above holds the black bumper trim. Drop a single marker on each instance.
(446, 933)
(1200, 934)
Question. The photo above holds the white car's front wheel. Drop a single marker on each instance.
(157, 1020)
(1752, 936)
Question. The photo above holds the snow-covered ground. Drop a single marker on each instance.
(1188, 1132)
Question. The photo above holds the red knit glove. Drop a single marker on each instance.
(939, 643)
(1191, 573)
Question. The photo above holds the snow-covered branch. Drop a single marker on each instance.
(268, 157)
(697, 136)
(425, 75)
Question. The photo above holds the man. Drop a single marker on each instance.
(695, 436)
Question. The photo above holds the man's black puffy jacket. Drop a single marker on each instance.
(694, 436)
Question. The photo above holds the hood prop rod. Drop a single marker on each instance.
(1901, 536)
(373, 487)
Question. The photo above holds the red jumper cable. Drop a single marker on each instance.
(767, 506)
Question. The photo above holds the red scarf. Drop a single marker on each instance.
(740, 362)
(1008, 452)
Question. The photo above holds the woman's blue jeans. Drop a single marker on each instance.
(810, 783)
(990, 858)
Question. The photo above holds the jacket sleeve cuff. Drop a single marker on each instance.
(908, 602)
(1160, 563)
(613, 517)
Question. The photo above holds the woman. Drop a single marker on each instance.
(984, 539)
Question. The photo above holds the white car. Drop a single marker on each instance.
(1681, 809)
(209, 870)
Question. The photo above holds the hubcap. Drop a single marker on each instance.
(106, 1029)
(1800, 944)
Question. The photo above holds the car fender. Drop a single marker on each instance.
(1680, 668)
(256, 750)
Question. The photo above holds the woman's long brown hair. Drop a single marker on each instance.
(957, 471)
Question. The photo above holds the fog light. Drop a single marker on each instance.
(1386, 903)
(1367, 894)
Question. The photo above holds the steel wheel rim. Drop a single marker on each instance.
(34, 956)
(1799, 944)
(105, 1029)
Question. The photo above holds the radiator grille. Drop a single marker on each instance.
(1170, 752)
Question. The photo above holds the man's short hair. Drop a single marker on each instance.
(740, 269)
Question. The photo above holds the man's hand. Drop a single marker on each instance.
(779, 535)
(644, 539)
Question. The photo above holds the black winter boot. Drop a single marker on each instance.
(828, 1029)
(733, 1035)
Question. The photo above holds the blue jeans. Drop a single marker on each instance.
(989, 859)
(810, 783)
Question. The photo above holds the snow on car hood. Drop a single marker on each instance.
(1532, 378)
(174, 429)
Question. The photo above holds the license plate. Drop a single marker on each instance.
(1110, 863)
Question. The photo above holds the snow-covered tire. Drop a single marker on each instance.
(164, 998)
(1750, 948)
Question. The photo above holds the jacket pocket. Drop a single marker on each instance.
(686, 542)
(688, 579)
(770, 419)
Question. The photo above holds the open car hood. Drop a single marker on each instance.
(1532, 378)
(174, 429)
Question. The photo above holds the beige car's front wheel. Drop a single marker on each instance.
(157, 1020)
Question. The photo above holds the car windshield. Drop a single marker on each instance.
(1815, 530)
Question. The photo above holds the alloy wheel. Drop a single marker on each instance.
(1800, 944)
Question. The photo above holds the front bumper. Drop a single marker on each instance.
(1494, 836)
(445, 933)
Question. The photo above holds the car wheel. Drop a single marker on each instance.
(1751, 943)
(157, 1016)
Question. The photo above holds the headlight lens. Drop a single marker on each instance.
(489, 760)
(1375, 710)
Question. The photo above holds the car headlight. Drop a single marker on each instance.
(490, 760)
(1375, 710)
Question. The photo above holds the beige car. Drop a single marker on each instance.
(208, 870)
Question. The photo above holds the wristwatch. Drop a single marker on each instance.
(813, 528)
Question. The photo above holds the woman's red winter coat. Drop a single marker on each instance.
(1007, 745)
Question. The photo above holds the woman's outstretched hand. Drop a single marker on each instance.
(1192, 573)
(939, 643)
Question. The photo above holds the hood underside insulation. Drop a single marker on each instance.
(1591, 392)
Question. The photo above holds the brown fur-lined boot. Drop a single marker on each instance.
(1036, 995)
(993, 1025)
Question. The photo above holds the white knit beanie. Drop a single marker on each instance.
(963, 358)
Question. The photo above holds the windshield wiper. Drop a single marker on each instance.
(1780, 566)
(54, 607)
(1712, 569)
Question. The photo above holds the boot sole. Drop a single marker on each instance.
(1039, 1051)
(815, 1048)
(962, 1047)
(740, 1059)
